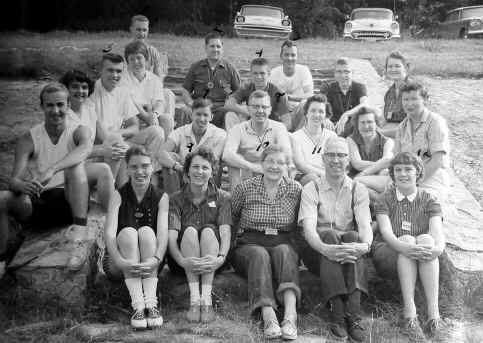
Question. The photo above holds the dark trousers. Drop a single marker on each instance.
(336, 278)
(270, 269)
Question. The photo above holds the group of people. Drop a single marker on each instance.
(314, 178)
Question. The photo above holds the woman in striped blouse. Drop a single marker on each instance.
(410, 224)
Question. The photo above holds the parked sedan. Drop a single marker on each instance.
(371, 24)
(464, 22)
(262, 21)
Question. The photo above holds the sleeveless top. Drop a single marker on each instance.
(46, 154)
(393, 110)
(134, 214)
(377, 149)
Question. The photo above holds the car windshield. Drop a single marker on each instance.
(372, 14)
(262, 11)
(472, 12)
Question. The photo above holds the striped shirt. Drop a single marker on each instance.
(416, 210)
(157, 62)
(255, 211)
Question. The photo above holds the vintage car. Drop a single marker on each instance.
(371, 24)
(262, 21)
(464, 22)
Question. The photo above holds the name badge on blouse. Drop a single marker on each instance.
(210, 84)
(138, 214)
(212, 204)
(272, 232)
(406, 226)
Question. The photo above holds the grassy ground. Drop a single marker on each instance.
(30, 54)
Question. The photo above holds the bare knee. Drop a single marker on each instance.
(76, 173)
(190, 238)
(407, 239)
(425, 239)
(128, 238)
(207, 236)
(146, 234)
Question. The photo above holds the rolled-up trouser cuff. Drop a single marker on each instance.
(261, 302)
(288, 285)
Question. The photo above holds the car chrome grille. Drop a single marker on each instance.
(261, 31)
(371, 34)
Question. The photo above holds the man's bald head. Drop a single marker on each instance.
(336, 145)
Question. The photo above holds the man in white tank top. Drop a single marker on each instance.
(56, 193)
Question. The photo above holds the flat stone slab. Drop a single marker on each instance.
(59, 264)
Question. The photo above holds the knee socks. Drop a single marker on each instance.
(135, 288)
(206, 294)
(194, 293)
(149, 287)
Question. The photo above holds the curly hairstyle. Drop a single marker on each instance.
(415, 86)
(274, 149)
(203, 152)
(363, 110)
(136, 150)
(315, 98)
(407, 158)
(75, 75)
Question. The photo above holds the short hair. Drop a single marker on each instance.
(52, 87)
(343, 61)
(259, 61)
(75, 75)
(136, 47)
(315, 98)
(415, 86)
(335, 140)
(136, 150)
(287, 44)
(398, 56)
(139, 17)
(407, 158)
(363, 110)
(112, 57)
(212, 35)
(274, 149)
(203, 152)
(258, 94)
(201, 103)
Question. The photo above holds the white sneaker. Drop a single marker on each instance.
(3, 268)
(138, 320)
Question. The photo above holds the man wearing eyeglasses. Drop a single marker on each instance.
(334, 212)
(247, 140)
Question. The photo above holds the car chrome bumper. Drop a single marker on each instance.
(262, 31)
(475, 32)
(371, 35)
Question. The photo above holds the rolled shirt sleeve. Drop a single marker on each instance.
(438, 136)
(308, 203)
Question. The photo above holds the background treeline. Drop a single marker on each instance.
(196, 17)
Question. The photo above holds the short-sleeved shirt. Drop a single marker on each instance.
(156, 60)
(277, 100)
(416, 209)
(87, 117)
(213, 211)
(253, 209)
(185, 142)
(138, 214)
(293, 85)
(424, 138)
(312, 150)
(334, 211)
(376, 150)
(114, 107)
(393, 110)
(147, 91)
(216, 85)
(340, 102)
(251, 145)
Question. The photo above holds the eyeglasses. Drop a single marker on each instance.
(333, 155)
(260, 107)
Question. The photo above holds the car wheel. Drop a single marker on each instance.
(463, 34)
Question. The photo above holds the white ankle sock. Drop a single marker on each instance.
(268, 313)
(135, 288)
(149, 287)
(206, 294)
(194, 292)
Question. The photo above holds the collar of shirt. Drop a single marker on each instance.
(188, 132)
(211, 193)
(410, 197)
(249, 130)
(281, 187)
(221, 63)
(325, 186)
(424, 118)
(337, 86)
(134, 79)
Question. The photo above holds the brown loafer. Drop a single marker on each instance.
(194, 314)
(207, 313)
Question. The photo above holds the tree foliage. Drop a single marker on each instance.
(195, 17)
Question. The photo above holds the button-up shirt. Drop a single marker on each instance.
(416, 209)
(424, 138)
(185, 142)
(213, 211)
(112, 107)
(254, 210)
(333, 209)
(215, 84)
